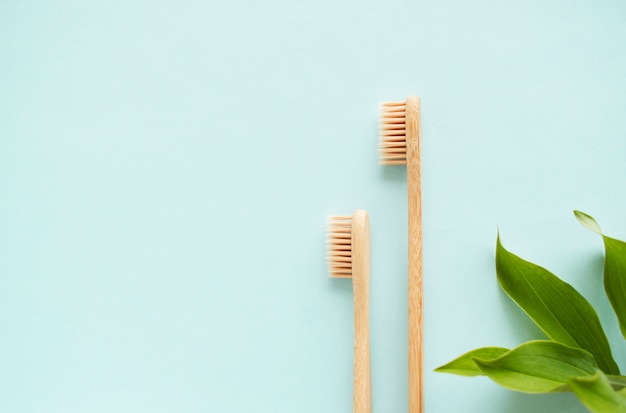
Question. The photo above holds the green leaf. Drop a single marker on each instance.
(554, 305)
(614, 269)
(538, 367)
(465, 365)
(615, 278)
(596, 393)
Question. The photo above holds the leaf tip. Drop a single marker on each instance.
(499, 247)
(587, 221)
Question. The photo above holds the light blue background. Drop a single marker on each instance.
(167, 169)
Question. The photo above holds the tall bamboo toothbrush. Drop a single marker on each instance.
(400, 145)
(349, 257)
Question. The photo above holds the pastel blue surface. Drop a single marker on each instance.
(167, 169)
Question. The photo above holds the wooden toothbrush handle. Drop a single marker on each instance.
(361, 289)
(416, 331)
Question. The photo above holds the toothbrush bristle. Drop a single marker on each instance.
(340, 246)
(393, 133)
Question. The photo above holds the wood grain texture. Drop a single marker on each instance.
(416, 335)
(361, 292)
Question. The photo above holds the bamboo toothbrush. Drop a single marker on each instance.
(400, 145)
(349, 257)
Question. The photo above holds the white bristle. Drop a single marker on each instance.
(392, 133)
(340, 246)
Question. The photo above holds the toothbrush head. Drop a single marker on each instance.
(340, 246)
(349, 246)
(399, 122)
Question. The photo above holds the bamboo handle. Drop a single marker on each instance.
(361, 289)
(416, 335)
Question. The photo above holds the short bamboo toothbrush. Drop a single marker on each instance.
(400, 145)
(349, 257)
